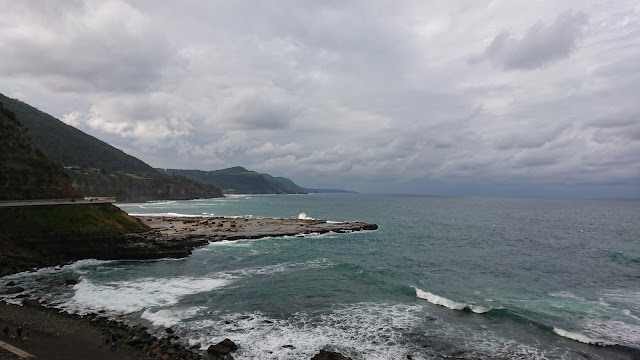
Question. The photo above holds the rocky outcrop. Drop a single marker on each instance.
(170, 237)
(37, 252)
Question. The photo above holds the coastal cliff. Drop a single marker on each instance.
(96, 168)
(25, 173)
(48, 235)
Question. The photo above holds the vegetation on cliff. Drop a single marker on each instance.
(99, 169)
(25, 173)
(37, 236)
(69, 221)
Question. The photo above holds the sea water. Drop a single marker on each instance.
(442, 278)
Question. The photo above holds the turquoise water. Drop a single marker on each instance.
(443, 277)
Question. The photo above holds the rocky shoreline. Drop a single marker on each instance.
(51, 334)
(170, 237)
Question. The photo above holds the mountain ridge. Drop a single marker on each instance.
(239, 180)
(96, 168)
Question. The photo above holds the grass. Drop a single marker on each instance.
(68, 220)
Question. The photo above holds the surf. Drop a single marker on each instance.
(450, 304)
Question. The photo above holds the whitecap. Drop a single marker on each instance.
(448, 303)
(566, 295)
(579, 337)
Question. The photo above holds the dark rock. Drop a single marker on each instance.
(14, 290)
(223, 349)
(11, 283)
(168, 330)
(230, 344)
(135, 341)
(31, 302)
(218, 350)
(288, 347)
(329, 355)
(70, 281)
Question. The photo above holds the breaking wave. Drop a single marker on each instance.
(579, 337)
(450, 304)
(303, 216)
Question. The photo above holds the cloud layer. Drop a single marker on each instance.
(437, 97)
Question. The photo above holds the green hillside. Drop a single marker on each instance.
(25, 173)
(69, 146)
(238, 180)
(96, 168)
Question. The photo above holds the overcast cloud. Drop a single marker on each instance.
(435, 97)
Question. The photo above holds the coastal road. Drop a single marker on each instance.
(55, 202)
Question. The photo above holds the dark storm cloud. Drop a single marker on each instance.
(541, 43)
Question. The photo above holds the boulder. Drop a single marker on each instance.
(70, 281)
(223, 349)
(230, 344)
(11, 283)
(14, 290)
(31, 302)
(134, 341)
(330, 355)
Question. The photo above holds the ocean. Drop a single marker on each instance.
(442, 278)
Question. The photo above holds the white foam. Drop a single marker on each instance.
(628, 313)
(123, 297)
(579, 337)
(283, 267)
(450, 304)
(170, 317)
(566, 295)
(615, 331)
(303, 216)
(366, 330)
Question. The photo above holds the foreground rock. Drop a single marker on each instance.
(223, 349)
(329, 355)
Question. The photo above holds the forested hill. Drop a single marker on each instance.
(238, 180)
(96, 168)
(69, 146)
(25, 173)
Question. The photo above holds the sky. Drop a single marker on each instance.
(513, 98)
